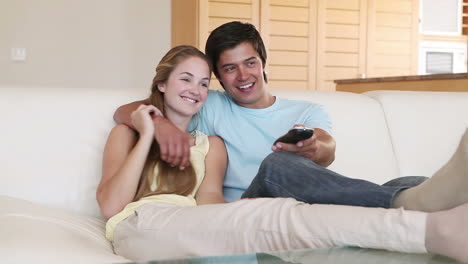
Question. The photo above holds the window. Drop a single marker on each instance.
(441, 17)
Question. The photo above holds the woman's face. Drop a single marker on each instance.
(186, 89)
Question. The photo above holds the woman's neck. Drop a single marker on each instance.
(181, 122)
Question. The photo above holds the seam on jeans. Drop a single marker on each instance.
(283, 189)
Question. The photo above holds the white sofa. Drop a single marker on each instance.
(52, 139)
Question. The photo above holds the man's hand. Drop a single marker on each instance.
(320, 148)
(307, 148)
(174, 144)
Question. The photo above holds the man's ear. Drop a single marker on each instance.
(162, 87)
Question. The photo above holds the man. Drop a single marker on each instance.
(249, 119)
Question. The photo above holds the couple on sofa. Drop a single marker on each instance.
(162, 186)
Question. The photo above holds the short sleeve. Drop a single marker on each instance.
(317, 117)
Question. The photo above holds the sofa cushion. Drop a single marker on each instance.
(52, 142)
(364, 148)
(425, 127)
(33, 233)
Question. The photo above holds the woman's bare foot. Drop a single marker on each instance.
(447, 233)
(446, 189)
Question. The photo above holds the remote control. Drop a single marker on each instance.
(295, 135)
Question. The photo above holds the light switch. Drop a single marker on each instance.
(18, 54)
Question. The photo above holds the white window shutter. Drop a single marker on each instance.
(440, 16)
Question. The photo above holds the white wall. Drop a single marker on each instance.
(102, 44)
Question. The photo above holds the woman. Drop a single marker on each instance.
(159, 212)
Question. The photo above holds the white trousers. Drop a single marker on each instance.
(165, 231)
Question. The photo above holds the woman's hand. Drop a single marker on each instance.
(174, 144)
(142, 119)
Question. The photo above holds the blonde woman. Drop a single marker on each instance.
(156, 211)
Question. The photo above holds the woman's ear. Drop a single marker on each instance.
(162, 87)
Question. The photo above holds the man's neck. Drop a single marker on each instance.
(265, 101)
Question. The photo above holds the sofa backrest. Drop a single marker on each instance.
(425, 127)
(52, 141)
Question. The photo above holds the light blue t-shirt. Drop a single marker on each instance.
(249, 133)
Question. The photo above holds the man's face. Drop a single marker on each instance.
(241, 72)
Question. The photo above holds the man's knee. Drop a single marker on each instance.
(277, 159)
(282, 157)
(280, 163)
(287, 159)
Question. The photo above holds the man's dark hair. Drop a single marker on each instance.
(228, 36)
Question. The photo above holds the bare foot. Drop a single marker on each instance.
(446, 189)
(447, 233)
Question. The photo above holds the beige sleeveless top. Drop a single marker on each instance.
(197, 159)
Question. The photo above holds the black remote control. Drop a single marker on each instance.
(295, 135)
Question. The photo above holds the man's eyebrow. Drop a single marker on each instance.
(227, 64)
(231, 64)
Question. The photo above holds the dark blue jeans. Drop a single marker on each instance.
(285, 174)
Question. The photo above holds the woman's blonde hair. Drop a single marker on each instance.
(170, 180)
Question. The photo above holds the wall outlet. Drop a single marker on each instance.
(18, 54)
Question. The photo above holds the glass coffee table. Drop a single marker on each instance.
(343, 255)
